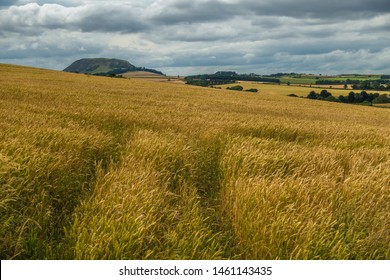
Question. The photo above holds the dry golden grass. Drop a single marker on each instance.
(101, 168)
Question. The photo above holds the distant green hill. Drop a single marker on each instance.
(105, 67)
(100, 66)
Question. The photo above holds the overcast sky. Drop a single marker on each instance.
(201, 36)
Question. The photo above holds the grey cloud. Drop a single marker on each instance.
(246, 35)
(50, 45)
(232, 54)
(65, 3)
(304, 55)
(5, 3)
(376, 24)
(339, 61)
(111, 19)
(318, 8)
(174, 12)
(334, 62)
(205, 32)
(194, 12)
(200, 59)
(33, 19)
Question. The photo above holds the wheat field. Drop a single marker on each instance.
(101, 168)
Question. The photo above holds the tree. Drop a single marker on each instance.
(312, 95)
(324, 94)
(236, 88)
(343, 99)
(351, 97)
(365, 96)
(331, 99)
(384, 98)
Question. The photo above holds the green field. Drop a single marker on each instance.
(102, 168)
(311, 79)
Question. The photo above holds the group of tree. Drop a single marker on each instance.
(240, 88)
(226, 77)
(379, 84)
(352, 97)
(336, 82)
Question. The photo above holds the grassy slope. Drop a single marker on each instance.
(100, 168)
(102, 69)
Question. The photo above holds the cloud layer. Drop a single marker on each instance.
(185, 37)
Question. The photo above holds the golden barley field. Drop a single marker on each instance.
(104, 168)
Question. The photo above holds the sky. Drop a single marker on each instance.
(201, 36)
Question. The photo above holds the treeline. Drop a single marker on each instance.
(352, 97)
(257, 78)
(226, 77)
(380, 84)
(149, 70)
(219, 78)
(279, 75)
(336, 82)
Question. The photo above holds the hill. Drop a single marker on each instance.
(100, 66)
(106, 67)
(99, 168)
